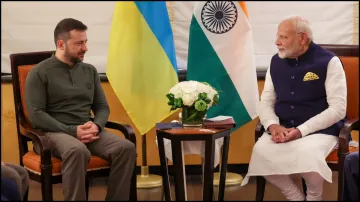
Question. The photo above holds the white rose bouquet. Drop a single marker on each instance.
(195, 98)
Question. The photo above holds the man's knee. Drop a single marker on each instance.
(22, 173)
(352, 157)
(126, 148)
(10, 173)
(21, 170)
(77, 151)
(351, 164)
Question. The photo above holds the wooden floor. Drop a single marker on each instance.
(194, 191)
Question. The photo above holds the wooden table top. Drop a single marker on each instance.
(192, 131)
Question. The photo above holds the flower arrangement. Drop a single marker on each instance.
(195, 98)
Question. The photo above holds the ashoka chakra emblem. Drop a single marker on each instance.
(219, 16)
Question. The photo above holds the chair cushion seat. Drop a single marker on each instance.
(32, 162)
(333, 156)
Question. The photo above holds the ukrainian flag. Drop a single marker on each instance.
(141, 65)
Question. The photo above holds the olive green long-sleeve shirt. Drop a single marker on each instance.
(59, 97)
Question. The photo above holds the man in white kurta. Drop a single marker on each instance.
(302, 108)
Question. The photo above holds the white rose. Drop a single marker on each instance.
(189, 92)
(188, 99)
(176, 91)
(189, 89)
(204, 88)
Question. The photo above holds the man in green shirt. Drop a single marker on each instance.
(60, 93)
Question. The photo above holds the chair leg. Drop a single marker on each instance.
(133, 189)
(46, 184)
(87, 184)
(304, 186)
(341, 177)
(46, 190)
(260, 188)
(340, 185)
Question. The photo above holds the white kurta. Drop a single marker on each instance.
(306, 154)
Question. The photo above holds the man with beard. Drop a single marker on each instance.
(302, 108)
(60, 92)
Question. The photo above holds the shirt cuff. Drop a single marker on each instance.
(304, 130)
(99, 127)
(268, 123)
(73, 130)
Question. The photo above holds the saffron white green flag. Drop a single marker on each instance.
(221, 53)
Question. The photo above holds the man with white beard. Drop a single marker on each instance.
(302, 108)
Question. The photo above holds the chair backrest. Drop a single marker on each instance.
(21, 64)
(349, 56)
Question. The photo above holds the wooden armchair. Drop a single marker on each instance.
(44, 168)
(349, 55)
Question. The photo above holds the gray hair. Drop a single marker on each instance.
(301, 25)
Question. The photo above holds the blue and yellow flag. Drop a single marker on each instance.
(141, 66)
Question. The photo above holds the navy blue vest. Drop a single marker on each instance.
(298, 100)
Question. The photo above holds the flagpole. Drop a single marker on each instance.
(146, 180)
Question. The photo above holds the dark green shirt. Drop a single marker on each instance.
(59, 97)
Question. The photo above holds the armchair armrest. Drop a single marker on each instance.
(259, 130)
(349, 125)
(126, 129)
(39, 137)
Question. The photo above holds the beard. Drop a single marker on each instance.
(73, 57)
(285, 53)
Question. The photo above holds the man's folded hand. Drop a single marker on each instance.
(279, 133)
(88, 132)
(292, 135)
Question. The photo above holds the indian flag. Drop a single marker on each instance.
(221, 53)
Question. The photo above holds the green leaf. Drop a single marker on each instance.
(216, 99)
(202, 96)
(170, 96)
(178, 102)
(193, 116)
(206, 83)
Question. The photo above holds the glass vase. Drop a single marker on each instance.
(191, 118)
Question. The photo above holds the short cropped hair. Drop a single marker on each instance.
(301, 25)
(63, 28)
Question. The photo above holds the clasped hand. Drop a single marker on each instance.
(280, 134)
(87, 132)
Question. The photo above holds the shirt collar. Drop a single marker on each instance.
(304, 57)
(57, 61)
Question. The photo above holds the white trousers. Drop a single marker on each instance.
(314, 184)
